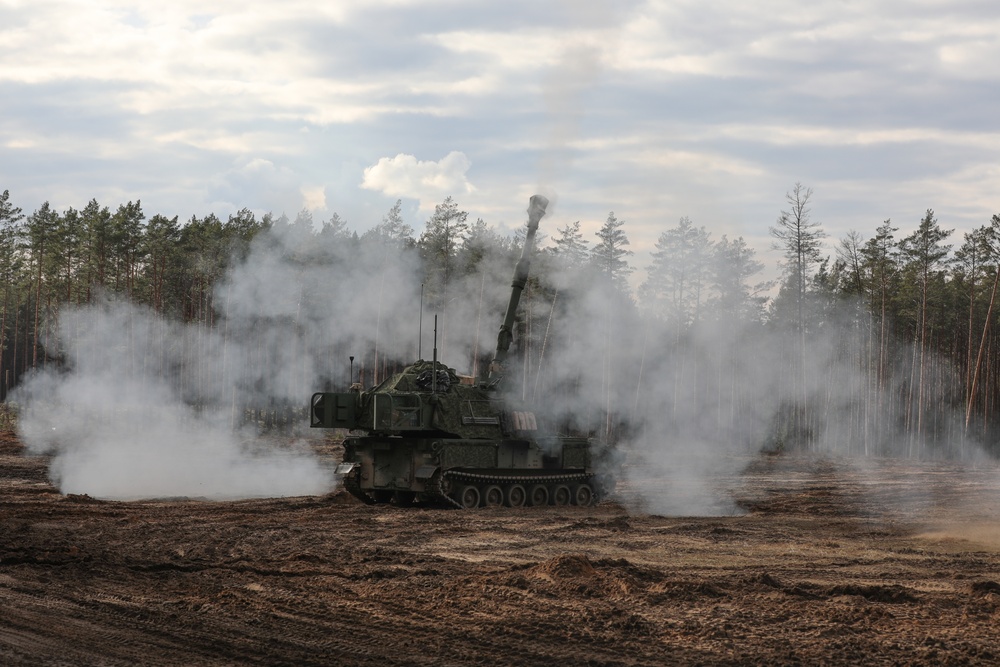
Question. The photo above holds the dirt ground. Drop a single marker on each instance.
(897, 563)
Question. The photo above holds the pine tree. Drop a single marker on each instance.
(439, 244)
(239, 230)
(480, 242)
(677, 277)
(10, 275)
(97, 245)
(40, 233)
(738, 300)
(392, 231)
(162, 266)
(336, 227)
(800, 238)
(926, 255)
(126, 225)
(570, 248)
(610, 255)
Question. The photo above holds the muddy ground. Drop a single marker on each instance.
(898, 563)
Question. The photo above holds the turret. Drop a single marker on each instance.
(428, 399)
(536, 209)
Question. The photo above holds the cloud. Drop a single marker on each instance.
(259, 184)
(313, 197)
(428, 182)
(652, 109)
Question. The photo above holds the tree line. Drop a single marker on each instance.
(885, 345)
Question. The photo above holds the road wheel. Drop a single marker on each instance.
(538, 496)
(583, 495)
(493, 496)
(515, 496)
(468, 497)
(561, 495)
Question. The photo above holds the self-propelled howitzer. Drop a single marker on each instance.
(429, 434)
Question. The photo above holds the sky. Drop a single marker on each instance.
(651, 109)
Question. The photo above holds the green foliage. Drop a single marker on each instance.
(677, 280)
(570, 248)
(610, 254)
(443, 235)
(481, 243)
(11, 260)
(391, 232)
(736, 297)
(801, 240)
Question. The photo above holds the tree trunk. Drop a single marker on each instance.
(38, 303)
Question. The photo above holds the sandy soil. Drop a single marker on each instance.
(898, 563)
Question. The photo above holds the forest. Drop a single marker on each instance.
(884, 346)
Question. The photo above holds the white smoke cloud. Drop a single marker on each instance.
(118, 428)
(692, 405)
(145, 407)
(427, 181)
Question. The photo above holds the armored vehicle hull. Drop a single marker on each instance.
(468, 473)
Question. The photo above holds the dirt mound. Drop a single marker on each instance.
(768, 580)
(341, 497)
(81, 498)
(684, 591)
(561, 568)
(894, 594)
(984, 588)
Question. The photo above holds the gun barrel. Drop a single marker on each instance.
(536, 209)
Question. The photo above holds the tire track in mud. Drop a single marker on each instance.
(303, 629)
